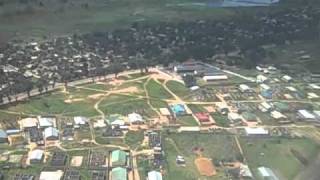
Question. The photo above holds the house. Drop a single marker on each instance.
(118, 158)
(51, 133)
(292, 89)
(264, 87)
(264, 107)
(245, 172)
(3, 136)
(282, 107)
(256, 131)
(286, 78)
(234, 117)
(267, 173)
(213, 77)
(203, 117)
(35, 136)
(36, 156)
(261, 79)
(154, 175)
(222, 108)
(119, 173)
(245, 88)
(306, 115)
(314, 86)
(312, 95)
(135, 118)
(51, 175)
(27, 123)
(115, 120)
(277, 115)
(45, 122)
(80, 121)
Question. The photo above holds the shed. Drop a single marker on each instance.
(282, 107)
(292, 89)
(3, 136)
(36, 156)
(244, 88)
(267, 173)
(154, 175)
(265, 107)
(45, 122)
(118, 158)
(28, 123)
(234, 117)
(277, 115)
(135, 118)
(80, 120)
(304, 114)
(286, 78)
(119, 173)
(256, 131)
(265, 87)
(314, 86)
(51, 133)
(214, 78)
(51, 175)
(312, 95)
(261, 79)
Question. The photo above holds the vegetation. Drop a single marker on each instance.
(134, 139)
(156, 90)
(178, 88)
(187, 120)
(220, 119)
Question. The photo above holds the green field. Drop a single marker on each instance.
(134, 139)
(276, 153)
(216, 147)
(156, 90)
(187, 120)
(178, 88)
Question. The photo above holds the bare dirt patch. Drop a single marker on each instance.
(76, 161)
(205, 166)
(96, 96)
(69, 101)
(128, 90)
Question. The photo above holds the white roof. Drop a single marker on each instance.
(266, 105)
(134, 117)
(118, 122)
(47, 121)
(286, 77)
(312, 95)
(80, 120)
(264, 86)
(261, 78)
(314, 86)
(217, 77)
(256, 131)
(306, 114)
(51, 131)
(233, 116)
(244, 87)
(154, 175)
(277, 115)
(245, 171)
(28, 122)
(51, 175)
(36, 154)
(290, 88)
(165, 111)
(267, 173)
(317, 113)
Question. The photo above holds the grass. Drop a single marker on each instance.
(276, 154)
(158, 103)
(187, 120)
(220, 119)
(196, 108)
(156, 90)
(215, 147)
(134, 139)
(178, 88)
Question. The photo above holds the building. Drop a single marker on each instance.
(249, 116)
(80, 121)
(203, 117)
(51, 133)
(3, 136)
(314, 86)
(281, 107)
(118, 158)
(45, 122)
(28, 123)
(36, 156)
(35, 136)
(119, 173)
(16, 139)
(222, 108)
(261, 79)
(234, 117)
(51, 175)
(312, 95)
(115, 120)
(264, 87)
(72, 175)
(245, 88)
(277, 115)
(154, 175)
(267, 173)
(214, 77)
(256, 131)
(286, 78)
(306, 115)
(135, 118)
(265, 107)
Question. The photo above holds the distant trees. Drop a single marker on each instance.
(116, 68)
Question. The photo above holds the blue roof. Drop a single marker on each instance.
(3, 134)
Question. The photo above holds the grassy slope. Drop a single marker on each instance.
(178, 88)
(156, 90)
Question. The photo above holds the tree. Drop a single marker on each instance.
(116, 68)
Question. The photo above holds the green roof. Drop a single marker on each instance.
(118, 158)
(119, 173)
(281, 106)
(249, 116)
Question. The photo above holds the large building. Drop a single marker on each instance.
(119, 173)
(118, 158)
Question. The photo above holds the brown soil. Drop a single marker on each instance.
(205, 166)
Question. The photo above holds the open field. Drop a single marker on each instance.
(178, 88)
(284, 156)
(216, 147)
(156, 90)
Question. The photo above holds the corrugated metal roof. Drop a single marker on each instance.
(50, 131)
(119, 157)
(119, 173)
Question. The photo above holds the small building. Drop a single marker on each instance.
(119, 173)
(203, 117)
(35, 136)
(3, 136)
(178, 109)
(135, 118)
(51, 175)
(277, 115)
(256, 131)
(51, 133)
(267, 173)
(72, 175)
(222, 108)
(210, 78)
(306, 115)
(265, 107)
(45, 122)
(312, 95)
(118, 158)
(234, 117)
(314, 86)
(245, 88)
(80, 121)
(264, 87)
(261, 78)
(165, 112)
(27, 123)
(58, 159)
(154, 175)
(287, 78)
(245, 172)
(281, 107)
(36, 156)
(292, 89)
(16, 139)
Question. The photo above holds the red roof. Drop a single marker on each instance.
(202, 116)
